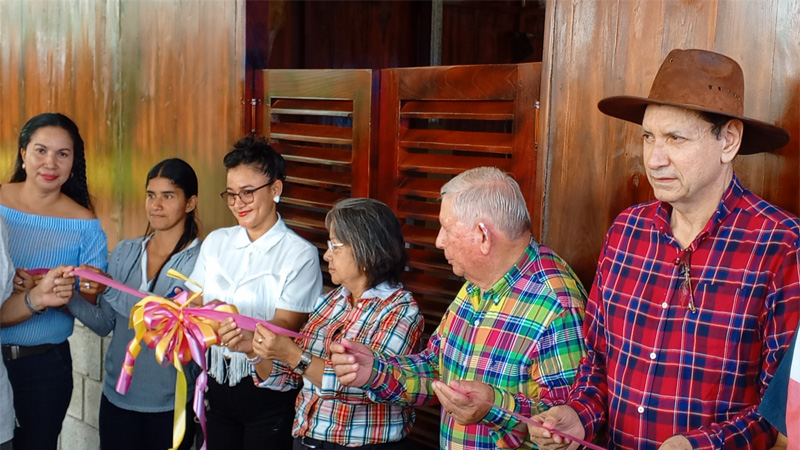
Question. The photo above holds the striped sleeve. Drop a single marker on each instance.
(399, 330)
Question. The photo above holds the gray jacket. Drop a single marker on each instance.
(152, 386)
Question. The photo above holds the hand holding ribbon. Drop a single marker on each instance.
(179, 333)
(352, 363)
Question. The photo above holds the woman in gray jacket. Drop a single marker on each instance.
(143, 417)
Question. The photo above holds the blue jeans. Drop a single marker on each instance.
(42, 390)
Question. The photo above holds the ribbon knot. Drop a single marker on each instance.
(179, 335)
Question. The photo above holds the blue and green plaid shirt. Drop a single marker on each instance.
(523, 337)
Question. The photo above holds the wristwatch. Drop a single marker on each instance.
(305, 360)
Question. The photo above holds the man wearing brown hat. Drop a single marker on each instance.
(696, 295)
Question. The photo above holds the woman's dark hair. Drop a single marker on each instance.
(182, 176)
(259, 154)
(75, 186)
(372, 230)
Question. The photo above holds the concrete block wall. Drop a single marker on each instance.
(80, 428)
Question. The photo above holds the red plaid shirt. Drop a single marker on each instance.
(387, 320)
(654, 367)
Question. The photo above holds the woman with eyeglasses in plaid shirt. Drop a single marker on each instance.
(366, 256)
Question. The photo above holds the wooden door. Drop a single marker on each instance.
(320, 121)
(436, 122)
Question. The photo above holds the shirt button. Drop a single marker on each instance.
(640, 409)
(476, 323)
(665, 305)
(652, 355)
(360, 305)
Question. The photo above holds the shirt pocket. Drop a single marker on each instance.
(724, 341)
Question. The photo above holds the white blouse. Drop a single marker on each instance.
(279, 270)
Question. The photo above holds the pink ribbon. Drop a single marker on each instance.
(102, 279)
(197, 342)
(179, 334)
(248, 323)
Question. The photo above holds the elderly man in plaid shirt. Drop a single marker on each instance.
(696, 294)
(513, 332)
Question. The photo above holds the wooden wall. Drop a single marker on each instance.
(595, 49)
(143, 80)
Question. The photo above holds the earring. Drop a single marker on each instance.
(276, 199)
(23, 166)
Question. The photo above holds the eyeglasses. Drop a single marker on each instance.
(686, 290)
(333, 246)
(245, 195)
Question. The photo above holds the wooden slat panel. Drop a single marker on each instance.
(333, 84)
(428, 261)
(420, 187)
(433, 306)
(427, 284)
(305, 196)
(458, 140)
(321, 134)
(415, 209)
(419, 235)
(303, 218)
(450, 164)
(316, 177)
(309, 93)
(336, 108)
(459, 83)
(308, 154)
(316, 237)
(477, 110)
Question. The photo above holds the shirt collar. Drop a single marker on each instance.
(146, 239)
(502, 287)
(265, 242)
(727, 204)
(382, 291)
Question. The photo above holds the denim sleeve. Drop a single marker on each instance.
(773, 405)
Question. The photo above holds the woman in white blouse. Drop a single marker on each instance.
(268, 272)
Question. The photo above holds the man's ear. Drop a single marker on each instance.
(732, 133)
(485, 238)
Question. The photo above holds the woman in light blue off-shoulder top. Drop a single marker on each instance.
(51, 224)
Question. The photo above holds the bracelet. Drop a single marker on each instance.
(28, 303)
(254, 361)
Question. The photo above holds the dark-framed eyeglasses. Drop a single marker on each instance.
(245, 195)
(332, 246)
(686, 288)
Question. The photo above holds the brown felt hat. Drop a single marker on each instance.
(705, 81)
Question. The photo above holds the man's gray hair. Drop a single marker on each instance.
(489, 194)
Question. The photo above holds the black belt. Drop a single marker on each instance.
(12, 352)
(316, 443)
